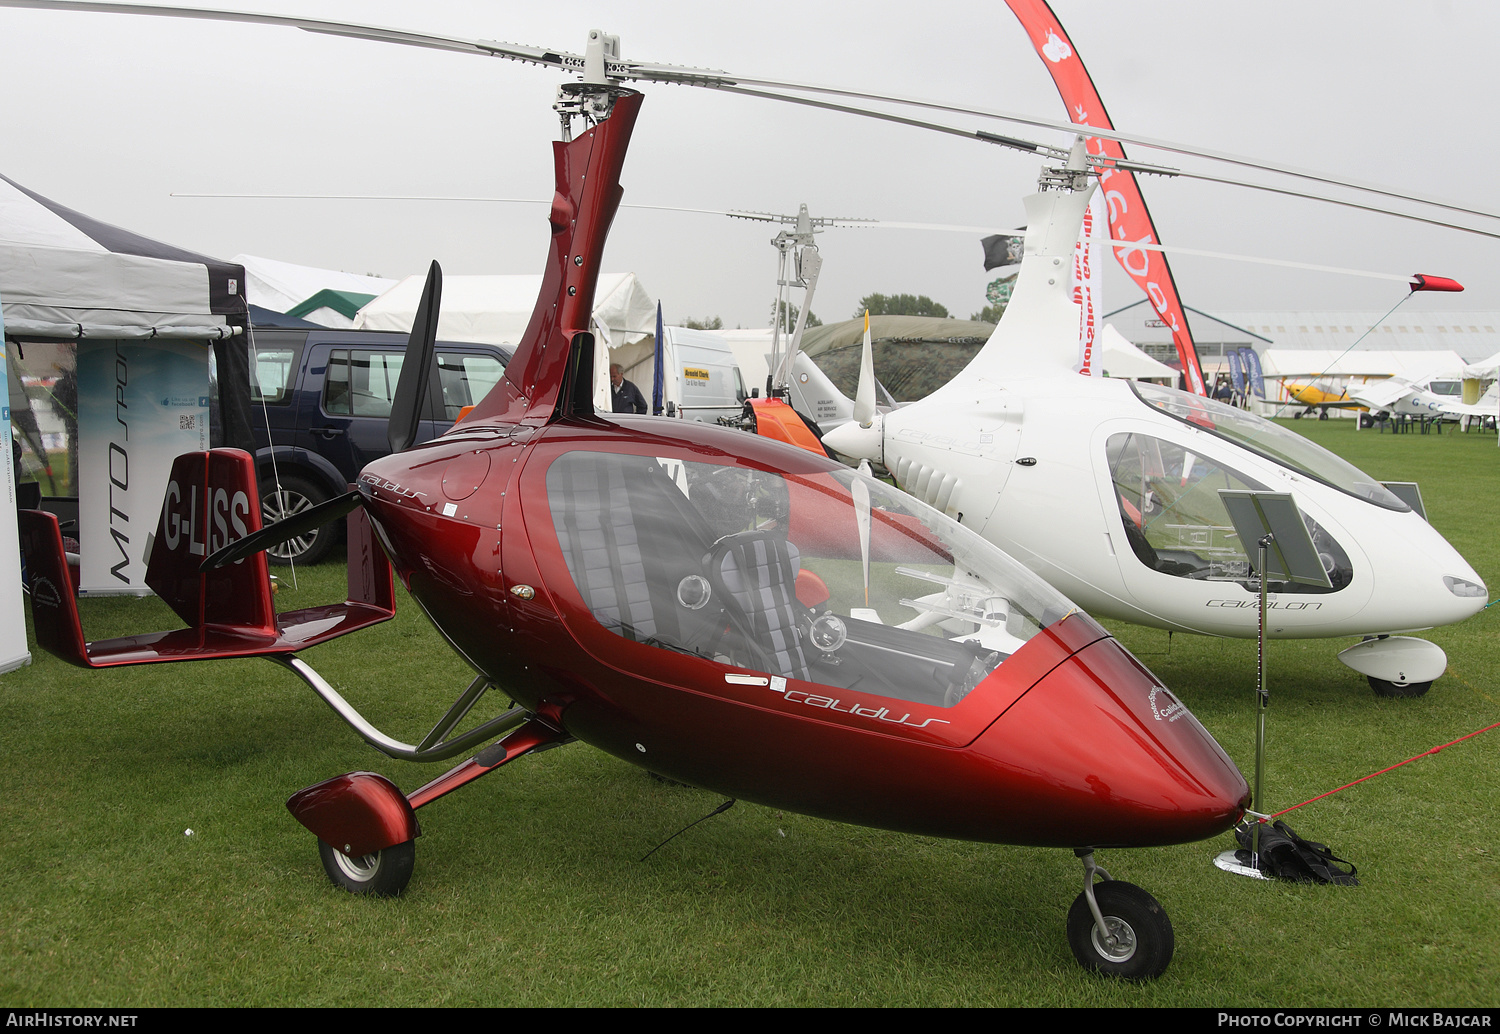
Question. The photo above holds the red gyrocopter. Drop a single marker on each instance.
(715, 607)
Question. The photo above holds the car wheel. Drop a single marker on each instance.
(295, 496)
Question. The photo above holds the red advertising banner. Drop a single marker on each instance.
(1129, 221)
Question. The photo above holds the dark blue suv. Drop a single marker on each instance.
(321, 399)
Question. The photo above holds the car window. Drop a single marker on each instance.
(272, 372)
(361, 382)
(466, 378)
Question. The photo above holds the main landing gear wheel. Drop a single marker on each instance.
(1383, 688)
(1137, 941)
(665, 781)
(383, 873)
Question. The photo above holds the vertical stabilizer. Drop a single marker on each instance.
(210, 502)
(54, 611)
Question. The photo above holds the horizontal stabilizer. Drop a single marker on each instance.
(228, 610)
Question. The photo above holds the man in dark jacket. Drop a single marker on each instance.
(625, 397)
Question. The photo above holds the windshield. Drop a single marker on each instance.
(1175, 521)
(830, 577)
(1272, 441)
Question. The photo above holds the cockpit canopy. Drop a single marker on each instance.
(1269, 440)
(1175, 520)
(830, 577)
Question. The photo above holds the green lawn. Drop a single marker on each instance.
(530, 888)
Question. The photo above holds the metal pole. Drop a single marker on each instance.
(1264, 700)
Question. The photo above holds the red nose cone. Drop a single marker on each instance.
(1112, 759)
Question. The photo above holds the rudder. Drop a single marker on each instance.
(211, 501)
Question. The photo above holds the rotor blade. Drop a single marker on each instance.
(836, 222)
(1128, 246)
(864, 397)
(416, 370)
(991, 138)
(484, 48)
(311, 519)
(619, 69)
(700, 77)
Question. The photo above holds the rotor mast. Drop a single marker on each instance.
(593, 97)
(798, 265)
(586, 198)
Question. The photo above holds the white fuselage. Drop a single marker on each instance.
(1027, 465)
(1115, 502)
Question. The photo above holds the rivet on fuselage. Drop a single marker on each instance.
(641, 747)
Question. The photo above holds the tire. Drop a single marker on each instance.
(1144, 941)
(383, 874)
(297, 494)
(666, 781)
(1383, 688)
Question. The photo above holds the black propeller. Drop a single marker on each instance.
(416, 370)
(401, 432)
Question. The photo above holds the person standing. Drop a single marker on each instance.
(625, 397)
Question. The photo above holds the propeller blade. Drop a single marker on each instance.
(311, 519)
(416, 371)
(864, 397)
(862, 520)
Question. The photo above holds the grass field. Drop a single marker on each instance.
(530, 888)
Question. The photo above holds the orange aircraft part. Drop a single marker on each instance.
(780, 422)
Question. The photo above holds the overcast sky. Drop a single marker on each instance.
(112, 114)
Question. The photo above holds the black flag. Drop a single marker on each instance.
(1001, 250)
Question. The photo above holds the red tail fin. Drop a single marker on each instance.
(54, 611)
(211, 500)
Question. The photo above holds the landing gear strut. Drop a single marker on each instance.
(1117, 929)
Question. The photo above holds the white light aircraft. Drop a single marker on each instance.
(1399, 396)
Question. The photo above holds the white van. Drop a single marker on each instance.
(703, 379)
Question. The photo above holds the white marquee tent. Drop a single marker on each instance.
(496, 309)
(136, 317)
(283, 286)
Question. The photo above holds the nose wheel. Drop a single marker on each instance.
(381, 873)
(1117, 929)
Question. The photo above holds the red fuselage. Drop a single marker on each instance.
(1068, 742)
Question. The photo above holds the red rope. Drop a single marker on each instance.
(1383, 771)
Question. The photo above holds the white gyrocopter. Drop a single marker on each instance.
(1109, 489)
